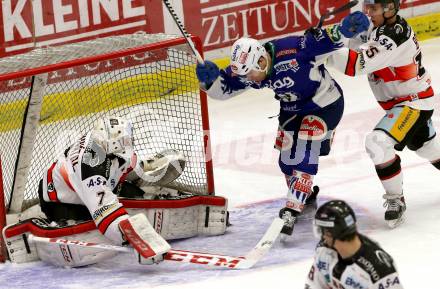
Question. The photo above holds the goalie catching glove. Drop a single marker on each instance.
(160, 169)
(149, 246)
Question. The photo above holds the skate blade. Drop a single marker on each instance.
(394, 223)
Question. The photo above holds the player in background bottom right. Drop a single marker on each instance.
(391, 56)
(346, 259)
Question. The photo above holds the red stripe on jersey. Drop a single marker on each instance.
(421, 95)
(106, 222)
(350, 68)
(401, 73)
(65, 176)
(133, 162)
(51, 192)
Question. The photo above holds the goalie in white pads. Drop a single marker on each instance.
(83, 184)
(391, 56)
(346, 259)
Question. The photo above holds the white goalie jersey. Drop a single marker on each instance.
(391, 56)
(86, 175)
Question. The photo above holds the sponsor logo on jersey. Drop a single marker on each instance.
(322, 266)
(104, 210)
(95, 181)
(285, 82)
(312, 128)
(389, 282)
(353, 283)
(285, 52)
(369, 267)
(286, 65)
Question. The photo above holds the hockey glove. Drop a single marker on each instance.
(354, 24)
(207, 72)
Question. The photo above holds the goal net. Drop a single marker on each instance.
(50, 96)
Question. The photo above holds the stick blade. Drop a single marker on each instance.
(263, 246)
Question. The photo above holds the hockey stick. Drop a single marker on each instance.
(230, 262)
(336, 11)
(183, 31)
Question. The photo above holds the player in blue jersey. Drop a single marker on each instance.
(311, 102)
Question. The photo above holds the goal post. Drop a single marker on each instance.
(51, 96)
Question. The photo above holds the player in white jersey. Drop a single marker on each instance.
(346, 259)
(85, 181)
(390, 54)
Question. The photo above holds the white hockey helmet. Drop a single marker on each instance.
(115, 134)
(245, 54)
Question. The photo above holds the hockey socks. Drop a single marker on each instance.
(391, 176)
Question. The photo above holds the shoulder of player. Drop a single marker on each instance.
(374, 260)
(283, 48)
(94, 160)
(399, 32)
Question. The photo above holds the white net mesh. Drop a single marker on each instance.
(155, 88)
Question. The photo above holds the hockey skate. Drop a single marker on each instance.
(395, 209)
(289, 217)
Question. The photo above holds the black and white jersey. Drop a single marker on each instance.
(370, 268)
(86, 175)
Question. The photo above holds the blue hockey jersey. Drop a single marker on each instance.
(297, 74)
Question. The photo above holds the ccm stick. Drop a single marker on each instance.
(225, 261)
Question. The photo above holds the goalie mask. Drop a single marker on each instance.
(245, 54)
(115, 134)
(336, 218)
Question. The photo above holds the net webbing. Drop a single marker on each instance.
(155, 89)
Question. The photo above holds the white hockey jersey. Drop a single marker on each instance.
(86, 175)
(369, 268)
(391, 56)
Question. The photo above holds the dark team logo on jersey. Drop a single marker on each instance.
(50, 187)
(398, 28)
(94, 155)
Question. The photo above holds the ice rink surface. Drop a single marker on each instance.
(246, 172)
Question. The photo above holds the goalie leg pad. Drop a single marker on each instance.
(186, 217)
(138, 231)
(20, 250)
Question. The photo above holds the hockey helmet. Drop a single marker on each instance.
(335, 217)
(384, 5)
(115, 134)
(245, 54)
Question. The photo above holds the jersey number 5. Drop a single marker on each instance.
(418, 60)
